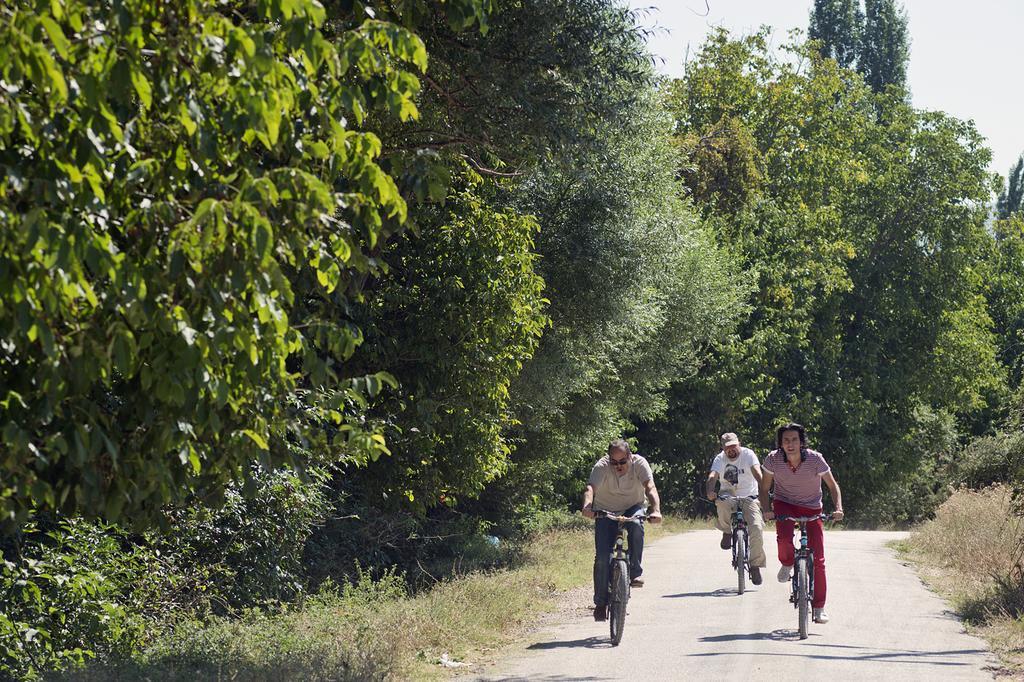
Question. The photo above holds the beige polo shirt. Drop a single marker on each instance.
(614, 493)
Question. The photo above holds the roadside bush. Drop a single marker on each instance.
(975, 534)
(427, 549)
(336, 635)
(990, 460)
(250, 550)
(974, 551)
(911, 499)
(71, 591)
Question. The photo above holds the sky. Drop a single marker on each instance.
(964, 56)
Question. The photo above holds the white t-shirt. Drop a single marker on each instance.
(737, 475)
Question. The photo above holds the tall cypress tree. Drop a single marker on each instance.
(1011, 199)
(837, 24)
(884, 48)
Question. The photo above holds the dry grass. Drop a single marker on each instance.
(374, 630)
(970, 553)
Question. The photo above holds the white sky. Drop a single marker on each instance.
(965, 57)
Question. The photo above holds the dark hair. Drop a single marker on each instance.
(620, 444)
(792, 426)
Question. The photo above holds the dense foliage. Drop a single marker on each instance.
(187, 210)
(872, 40)
(299, 293)
(455, 318)
(863, 220)
(1011, 199)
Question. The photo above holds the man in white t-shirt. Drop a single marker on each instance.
(739, 473)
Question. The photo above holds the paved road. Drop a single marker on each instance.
(689, 623)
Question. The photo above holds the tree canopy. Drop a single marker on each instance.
(862, 220)
(189, 205)
(872, 40)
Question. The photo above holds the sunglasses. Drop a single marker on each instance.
(619, 462)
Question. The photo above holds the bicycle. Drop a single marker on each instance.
(803, 572)
(618, 572)
(740, 541)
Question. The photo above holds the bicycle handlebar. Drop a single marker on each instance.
(636, 518)
(726, 497)
(803, 519)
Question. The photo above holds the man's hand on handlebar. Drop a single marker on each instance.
(837, 515)
(588, 511)
(654, 517)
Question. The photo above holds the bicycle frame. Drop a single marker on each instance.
(739, 526)
(621, 550)
(803, 552)
(618, 579)
(806, 555)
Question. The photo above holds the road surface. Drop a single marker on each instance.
(688, 623)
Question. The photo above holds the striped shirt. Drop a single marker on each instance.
(802, 486)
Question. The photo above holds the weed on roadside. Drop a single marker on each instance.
(970, 553)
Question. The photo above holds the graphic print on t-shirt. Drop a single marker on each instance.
(736, 473)
(732, 474)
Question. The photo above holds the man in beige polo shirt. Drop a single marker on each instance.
(619, 483)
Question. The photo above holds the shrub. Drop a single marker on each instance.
(425, 548)
(975, 534)
(74, 590)
(70, 591)
(250, 550)
(990, 460)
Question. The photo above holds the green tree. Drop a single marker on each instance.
(187, 208)
(885, 48)
(454, 319)
(1004, 291)
(865, 232)
(838, 24)
(1011, 198)
(637, 293)
(541, 147)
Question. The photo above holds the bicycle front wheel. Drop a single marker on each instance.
(740, 548)
(618, 599)
(803, 596)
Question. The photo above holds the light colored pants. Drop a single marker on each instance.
(755, 526)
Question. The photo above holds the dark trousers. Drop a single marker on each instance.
(605, 532)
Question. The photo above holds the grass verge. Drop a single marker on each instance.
(372, 629)
(970, 554)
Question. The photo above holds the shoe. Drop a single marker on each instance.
(726, 542)
(785, 573)
(636, 582)
(601, 612)
(755, 575)
(819, 616)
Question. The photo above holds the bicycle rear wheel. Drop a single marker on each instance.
(618, 599)
(740, 551)
(803, 596)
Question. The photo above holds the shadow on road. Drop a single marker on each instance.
(776, 635)
(588, 643)
(724, 592)
(870, 653)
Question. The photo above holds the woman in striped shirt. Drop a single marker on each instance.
(798, 472)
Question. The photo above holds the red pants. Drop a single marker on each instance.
(815, 540)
